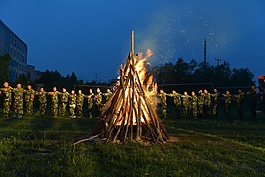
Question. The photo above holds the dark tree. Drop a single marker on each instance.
(4, 67)
(23, 79)
(222, 74)
(51, 79)
(204, 73)
(178, 73)
(191, 72)
(241, 77)
(184, 70)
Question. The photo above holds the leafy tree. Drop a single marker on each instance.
(187, 72)
(241, 77)
(178, 73)
(50, 79)
(4, 67)
(222, 74)
(184, 70)
(204, 73)
(69, 81)
(23, 79)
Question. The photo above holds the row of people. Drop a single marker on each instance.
(59, 101)
(199, 105)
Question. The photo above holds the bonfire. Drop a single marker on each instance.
(130, 114)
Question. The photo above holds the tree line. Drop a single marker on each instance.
(221, 75)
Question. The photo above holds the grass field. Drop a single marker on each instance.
(44, 147)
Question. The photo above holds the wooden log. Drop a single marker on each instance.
(132, 103)
(138, 120)
(123, 119)
(129, 111)
(125, 114)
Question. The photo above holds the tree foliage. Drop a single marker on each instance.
(4, 67)
(22, 79)
(52, 79)
(192, 72)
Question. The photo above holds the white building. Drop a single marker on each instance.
(12, 44)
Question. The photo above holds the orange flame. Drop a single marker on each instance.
(137, 99)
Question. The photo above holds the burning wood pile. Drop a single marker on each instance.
(130, 114)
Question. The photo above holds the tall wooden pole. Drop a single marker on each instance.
(132, 43)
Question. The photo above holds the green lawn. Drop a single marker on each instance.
(44, 147)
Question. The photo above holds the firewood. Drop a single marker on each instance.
(130, 113)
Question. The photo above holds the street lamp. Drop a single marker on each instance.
(218, 60)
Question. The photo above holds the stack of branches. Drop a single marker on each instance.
(129, 114)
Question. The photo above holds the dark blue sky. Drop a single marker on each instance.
(92, 37)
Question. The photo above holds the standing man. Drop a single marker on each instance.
(239, 103)
(6, 92)
(90, 102)
(63, 102)
(98, 99)
(227, 96)
(186, 105)
(29, 98)
(193, 105)
(163, 102)
(216, 99)
(252, 100)
(207, 104)
(108, 94)
(79, 103)
(72, 104)
(55, 100)
(18, 97)
(200, 103)
(177, 101)
(42, 101)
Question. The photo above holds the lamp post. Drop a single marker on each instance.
(218, 60)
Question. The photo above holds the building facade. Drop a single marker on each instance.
(32, 74)
(12, 44)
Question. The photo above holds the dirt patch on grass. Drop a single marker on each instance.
(173, 139)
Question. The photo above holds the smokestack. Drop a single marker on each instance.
(204, 51)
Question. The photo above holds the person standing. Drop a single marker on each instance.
(186, 105)
(108, 94)
(63, 102)
(252, 100)
(72, 104)
(98, 101)
(55, 101)
(42, 101)
(18, 100)
(216, 100)
(163, 102)
(79, 104)
(239, 103)
(6, 92)
(29, 98)
(200, 98)
(193, 104)
(207, 104)
(177, 101)
(227, 96)
(90, 103)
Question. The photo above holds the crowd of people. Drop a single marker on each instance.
(205, 104)
(23, 100)
(196, 105)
